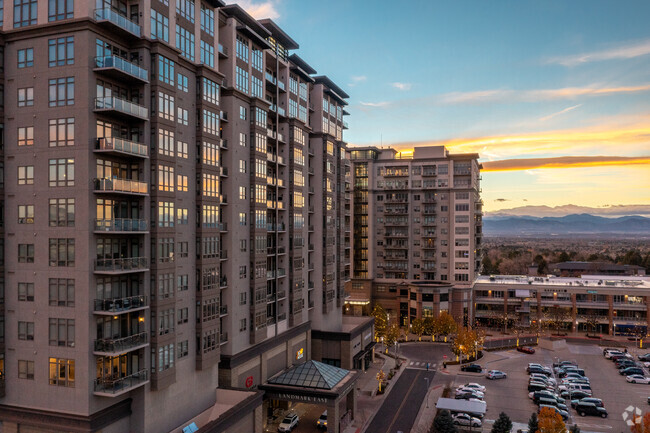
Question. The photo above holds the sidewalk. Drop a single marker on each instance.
(367, 403)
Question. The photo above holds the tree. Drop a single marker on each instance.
(574, 429)
(556, 317)
(445, 324)
(444, 423)
(392, 334)
(429, 327)
(542, 267)
(550, 421)
(380, 378)
(418, 328)
(641, 424)
(591, 320)
(466, 342)
(381, 321)
(502, 424)
(563, 257)
(533, 423)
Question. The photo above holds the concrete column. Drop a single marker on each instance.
(647, 314)
(351, 403)
(574, 312)
(333, 416)
(610, 302)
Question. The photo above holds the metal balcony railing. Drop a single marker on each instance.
(121, 345)
(122, 65)
(118, 305)
(123, 146)
(110, 385)
(122, 106)
(121, 225)
(121, 185)
(108, 14)
(126, 264)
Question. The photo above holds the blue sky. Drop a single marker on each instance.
(507, 79)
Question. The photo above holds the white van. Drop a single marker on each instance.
(580, 387)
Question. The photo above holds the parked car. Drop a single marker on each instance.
(288, 423)
(612, 352)
(478, 393)
(586, 408)
(624, 363)
(539, 386)
(473, 385)
(474, 368)
(563, 413)
(543, 378)
(545, 394)
(598, 402)
(637, 378)
(644, 357)
(562, 372)
(467, 395)
(575, 394)
(466, 420)
(552, 402)
(575, 376)
(541, 370)
(496, 374)
(322, 421)
(564, 363)
(525, 349)
(580, 387)
(630, 371)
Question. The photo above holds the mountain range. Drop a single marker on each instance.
(570, 209)
(575, 224)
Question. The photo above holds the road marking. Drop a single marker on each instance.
(399, 409)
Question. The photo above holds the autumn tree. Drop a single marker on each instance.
(466, 342)
(429, 327)
(550, 421)
(641, 424)
(445, 324)
(418, 328)
(381, 321)
(592, 321)
(556, 317)
(392, 334)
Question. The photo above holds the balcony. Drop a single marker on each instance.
(224, 144)
(120, 305)
(121, 266)
(282, 86)
(223, 51)
(282, 295)
(120, 68)
(223, 115)
(223, 227)
(311, 247)
(108, 15)
(223, 338)
(118, 346)
(345, 125)
(223, 171)
(275, 227)
(121, 225)
(121, 186)
(223, 283)
(120, 107)
(109, 387)
(120, 146)
(310, 228)
(223, 310)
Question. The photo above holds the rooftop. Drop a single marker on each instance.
(584, 281)
(311, 374)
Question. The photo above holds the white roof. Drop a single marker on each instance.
(461, 405)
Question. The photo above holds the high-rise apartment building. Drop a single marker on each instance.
(174, 197)
(417, 231)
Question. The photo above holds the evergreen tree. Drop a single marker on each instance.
(502, 424)
(444, 423)
(533, 423)
(564, 257)
(574, 428)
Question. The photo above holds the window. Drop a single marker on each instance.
(61, 91)
(166, 70)
(256, 57)
(242, 245)
(242, 80)
(25, 253)
(164, 359)
(61, 212)
(210, 122)
(61, 132)
(25, 13)
(210, 91)
(181, 183)
(242, 218)
(26, 292)
(26, 136)
(257, 88)
(165, 214)
(183, 82)
(25, 330)
(242, 298)
(26, 214)
(182, 149)
(242, 166)
(242, 112)
(183, 248)
(165, 178)
(62, 332)
(183, 116)
(210, 153)
(62, 252)
(242, 193)
(207, 54)
(185, 8)
(185, 42)
(165, 250)
(61, 51)
(61, 172)
(159, 26)
(182, 282)
(242, 139)
(26, 97)
(242, 271)
(25, 58)
(182, 216)
(25, 369)
(242, 325)
(242, 48)
(183, 349)
(166, 106)
(210, 186)
(60, 10)
(182, 315)
(165, 142)
(62, 372)
(207, 20)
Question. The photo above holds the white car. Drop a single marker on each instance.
(637, 378)
(646, 364)
(475, 386)
(611, 353)
(496, 374)
(465, 419)
(463, 390)
(288, 423)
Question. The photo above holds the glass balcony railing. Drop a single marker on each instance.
(121, 345)
(122, 146)
(126, 264)
(121, 225)
(121, 105)
(123, 65)
(110, 386)
(108, 14)
(119, 305)
(121, 185)
(281, 85)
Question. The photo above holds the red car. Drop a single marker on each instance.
(525, 349)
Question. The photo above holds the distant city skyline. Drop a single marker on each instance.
(554, 96)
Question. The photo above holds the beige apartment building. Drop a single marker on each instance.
(417, 220)
(175, 216)
(604, 304)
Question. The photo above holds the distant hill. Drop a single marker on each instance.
(570, 209)
(569, 224)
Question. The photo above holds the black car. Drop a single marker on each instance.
(542, 370)
(644, 357)
(627, 362)
(473, 368)
(598, 402)
(630, 371)
(545, 394)
(467, 396)
(585, 408)
(574, 395)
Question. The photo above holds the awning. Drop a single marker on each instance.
(364, 351)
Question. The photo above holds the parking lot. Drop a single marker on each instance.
(511, 395)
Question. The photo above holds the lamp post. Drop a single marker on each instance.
(426, 394)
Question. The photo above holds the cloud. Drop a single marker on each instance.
(259, 10)
(375, 104)
(629, 51)
(559, 113)
(357, 79)
(402, 86)
(563, 162)
(501, 199)
(534, 95)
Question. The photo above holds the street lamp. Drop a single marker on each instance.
(426, 394)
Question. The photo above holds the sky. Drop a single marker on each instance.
(554, 95)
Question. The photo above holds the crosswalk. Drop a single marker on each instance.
(422, 365)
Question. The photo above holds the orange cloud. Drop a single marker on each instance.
(562, 162)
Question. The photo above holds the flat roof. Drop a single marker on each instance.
(461, 405)
(335, 90)
(602, 281)
(279, 34)
(236, 11)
